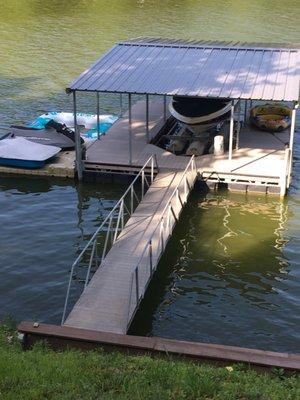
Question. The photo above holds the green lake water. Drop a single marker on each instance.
(231, 270)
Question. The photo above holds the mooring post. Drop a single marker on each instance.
(78, 149)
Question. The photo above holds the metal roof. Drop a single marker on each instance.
(204, 69)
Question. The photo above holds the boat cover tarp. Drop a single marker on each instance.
(19, 148)
(49, 137)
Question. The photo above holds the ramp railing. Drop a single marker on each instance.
(105, 236)
(154, 248)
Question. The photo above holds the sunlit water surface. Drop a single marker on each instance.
(231, 271)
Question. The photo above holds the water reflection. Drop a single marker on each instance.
(44, 225)
(225, 277)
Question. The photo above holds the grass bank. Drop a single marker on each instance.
(41, 373)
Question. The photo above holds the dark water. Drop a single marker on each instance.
(44, 226)
(231, 271)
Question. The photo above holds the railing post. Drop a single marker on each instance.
(90, 264)
(131, 200)
(150, 257)
(169, 216)
(137, 286)
(162, 232)
(68, 294)
(106, 238)
(122, 215)
(143, 183)
(152, 169)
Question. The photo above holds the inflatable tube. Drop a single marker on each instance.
(271, 118)
(88, 121)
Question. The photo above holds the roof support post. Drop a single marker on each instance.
(165, 108)
(78, 149)
(245, 111)
(121, 105)
(98, 116)
(291, 143)
(147, 118)
(231, 130)
(130, 128)
(237, 144)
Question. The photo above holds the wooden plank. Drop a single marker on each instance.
(64, 336)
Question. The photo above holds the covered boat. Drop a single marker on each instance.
(51, 135)
(199, 114)
(22, 153)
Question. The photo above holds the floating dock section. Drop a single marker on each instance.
(112, 297)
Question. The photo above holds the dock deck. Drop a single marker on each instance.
(111, 298)
(259, 159)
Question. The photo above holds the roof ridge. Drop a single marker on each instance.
(167, 42)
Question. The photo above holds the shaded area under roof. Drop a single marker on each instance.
(201, 69)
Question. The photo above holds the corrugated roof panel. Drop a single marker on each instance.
(291, 88)
(195, 69)
(271, 79)
(125, 71)
(192, 62)
(142, 70)
(172, 79)
(193, 85)
(262, 76)
(220, 76)
(117, 65)
(281, 81)
(158, 69)
(252, 74)
(241, 74)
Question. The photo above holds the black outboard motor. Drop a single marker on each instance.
(63, 129)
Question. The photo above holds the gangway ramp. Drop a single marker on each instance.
(111, 298)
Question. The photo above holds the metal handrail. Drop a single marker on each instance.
(168, 209)
(117, 213)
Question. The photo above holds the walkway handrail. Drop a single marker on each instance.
(164, 234)
(117, 213)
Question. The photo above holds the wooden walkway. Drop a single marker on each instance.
(112, 297)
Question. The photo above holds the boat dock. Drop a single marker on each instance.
(256, 166)
(118, 262)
